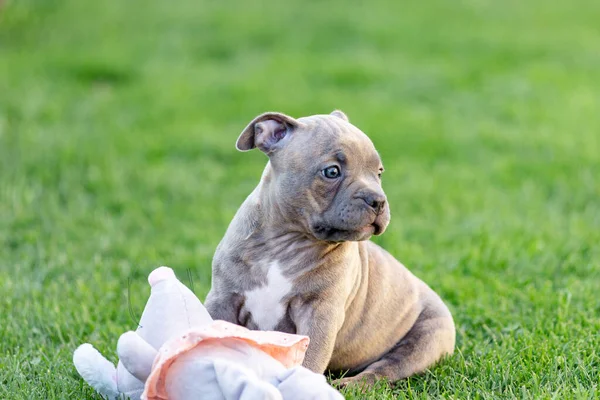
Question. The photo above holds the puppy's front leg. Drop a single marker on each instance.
(223, 306)
(321, 323)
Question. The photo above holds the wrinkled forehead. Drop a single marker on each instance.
(332, 137)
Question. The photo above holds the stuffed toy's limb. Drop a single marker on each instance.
(300, 383)
(129, 386)
(136, 355)
(102, 375)
(96, 370)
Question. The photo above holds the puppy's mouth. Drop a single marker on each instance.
(377, 229)
(372, 229)
(333, 234)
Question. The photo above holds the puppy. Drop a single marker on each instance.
(296, 258)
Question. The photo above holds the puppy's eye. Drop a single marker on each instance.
(331, 172)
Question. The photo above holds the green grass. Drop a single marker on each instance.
(117, 129)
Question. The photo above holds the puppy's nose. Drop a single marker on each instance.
(375, 200)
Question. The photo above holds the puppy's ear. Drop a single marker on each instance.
(266, 131)
(340, 114)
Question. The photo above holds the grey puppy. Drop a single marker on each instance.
(296, 257)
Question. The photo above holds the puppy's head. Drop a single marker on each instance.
(323, 176)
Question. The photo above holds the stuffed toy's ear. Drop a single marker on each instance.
(266, 131)
(192, 378)
(238, 382)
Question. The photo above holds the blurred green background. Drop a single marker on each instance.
(117, 128)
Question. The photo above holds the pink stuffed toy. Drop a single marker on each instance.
(179, 353)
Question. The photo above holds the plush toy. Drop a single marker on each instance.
(179, 353)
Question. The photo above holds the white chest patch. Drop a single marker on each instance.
(264, 303)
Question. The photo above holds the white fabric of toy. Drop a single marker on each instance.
(179, 353)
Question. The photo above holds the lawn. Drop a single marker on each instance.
(117, 129)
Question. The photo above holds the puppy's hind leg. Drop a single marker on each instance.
(431, 337)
